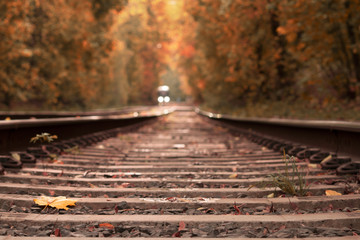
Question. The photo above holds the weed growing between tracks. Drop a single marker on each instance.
(293, 184)
(43, 137)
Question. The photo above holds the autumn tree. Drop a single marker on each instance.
(59, 51)
(248, 51)
(143, 39)
(16, 75)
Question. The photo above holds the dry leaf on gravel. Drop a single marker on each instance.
(271, 195)
(233, 176)
(124, 185)
(57, 233)
(313, 165)
(332, 193)
(107, 225)
(182, 226)
(56, 202)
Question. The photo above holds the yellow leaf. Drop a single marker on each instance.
(312, 165)
(56, 202)
(271, 195)
(201, 208)
(233, 176)
(16, 156)
(332, 193)
(7, 119)
(328, 158)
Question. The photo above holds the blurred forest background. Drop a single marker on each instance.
(284, 58)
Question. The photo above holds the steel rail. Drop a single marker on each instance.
(15, 134)
(59, 114)
(334, 136)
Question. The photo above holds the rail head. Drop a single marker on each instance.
(136, 115)
(15, 134)
(318, 124)
(340, 137)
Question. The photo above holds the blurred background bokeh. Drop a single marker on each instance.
(263, 58)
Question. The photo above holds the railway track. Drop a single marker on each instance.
(178, 176)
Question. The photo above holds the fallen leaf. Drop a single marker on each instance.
(56, 202)
(107, 225)
(210, 210)
(271, 195)
(321, 173)
(52, 192)
(332, 193)
(312, 165)
(238, 212)
(16, 156)
(171, 199)
(177, 234)
(233, 176)
(182, 226)
(92, 185)
(328, 158)
(57, 233)
(124, 185)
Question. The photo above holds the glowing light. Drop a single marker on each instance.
(160, 99)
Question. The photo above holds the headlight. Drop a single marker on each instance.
(167, 99)
(160, 99)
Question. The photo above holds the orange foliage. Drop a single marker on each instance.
(260, 50)
(51, 49)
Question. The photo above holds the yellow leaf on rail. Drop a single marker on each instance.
(56, 202)
(332, 193)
